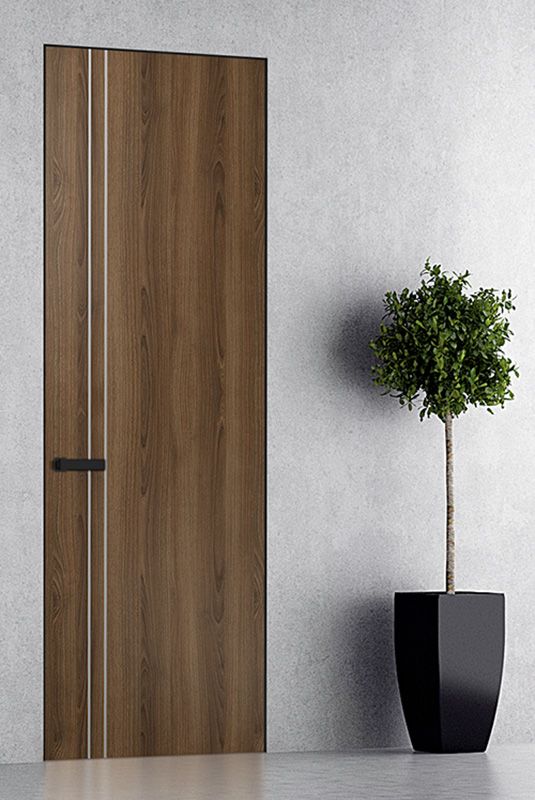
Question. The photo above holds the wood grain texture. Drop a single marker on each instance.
(97, 402)
(65, 689)
(186, 404)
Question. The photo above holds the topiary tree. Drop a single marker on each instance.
(441, 349)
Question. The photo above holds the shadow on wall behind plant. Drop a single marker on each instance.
(349, 349)
(372, 715)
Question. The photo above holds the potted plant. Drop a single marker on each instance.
(440, 349)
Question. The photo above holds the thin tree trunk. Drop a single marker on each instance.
(450, 524)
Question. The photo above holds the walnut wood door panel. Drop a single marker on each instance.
(173, 370)
(185, 493)
(66, 388)
(98, 179)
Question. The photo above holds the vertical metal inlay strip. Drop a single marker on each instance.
(89, 376)
(105, 521)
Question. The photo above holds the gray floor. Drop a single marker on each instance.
(504, 773)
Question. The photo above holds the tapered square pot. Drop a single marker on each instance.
(449, 661)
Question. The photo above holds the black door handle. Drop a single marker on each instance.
(79, 464)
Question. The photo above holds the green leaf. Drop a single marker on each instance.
(440, 346)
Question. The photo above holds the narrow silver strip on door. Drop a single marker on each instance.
(89, 377)
(105, 522)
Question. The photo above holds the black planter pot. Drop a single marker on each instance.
(449, 659)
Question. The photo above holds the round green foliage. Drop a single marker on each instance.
(441, 347)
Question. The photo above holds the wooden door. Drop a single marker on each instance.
(155, 361)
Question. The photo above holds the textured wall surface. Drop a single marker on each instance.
(397, 130)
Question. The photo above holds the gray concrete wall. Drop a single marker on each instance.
(397, 130)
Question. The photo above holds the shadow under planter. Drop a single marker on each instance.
(449, 660)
